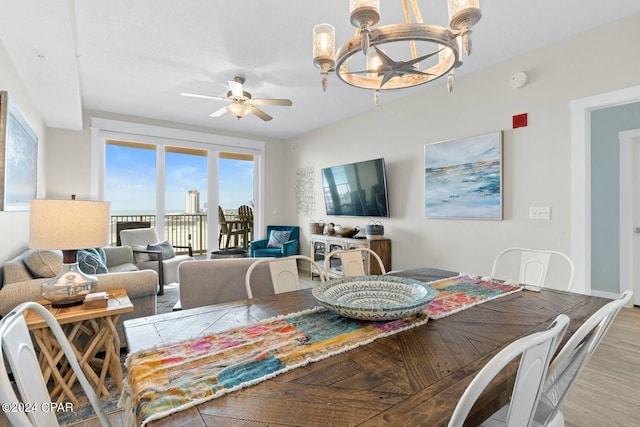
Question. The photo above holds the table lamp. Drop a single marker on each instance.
(68, 225)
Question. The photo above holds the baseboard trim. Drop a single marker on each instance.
(602, 294)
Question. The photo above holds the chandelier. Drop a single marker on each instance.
(395, 56)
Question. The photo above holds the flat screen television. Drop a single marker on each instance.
(356, 189)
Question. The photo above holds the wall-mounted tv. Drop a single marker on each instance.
(356, 189)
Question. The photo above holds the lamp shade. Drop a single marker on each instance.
(69, 224)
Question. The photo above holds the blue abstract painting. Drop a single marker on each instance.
(463, 178)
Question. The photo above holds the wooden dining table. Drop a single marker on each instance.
(414, 377)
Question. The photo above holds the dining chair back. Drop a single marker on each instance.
(284, 273)
(572, 358)
(535, 352)
(352, 261)
(227, 231)
(534, 265)
(16, 344)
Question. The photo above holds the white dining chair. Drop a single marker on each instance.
(352, 261)
(284, 273)
(534, 265)
(535, 351)
(16, 344)
(572, 358)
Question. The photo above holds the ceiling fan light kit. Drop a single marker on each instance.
(241, 101)
(238, 109)
(377, 69)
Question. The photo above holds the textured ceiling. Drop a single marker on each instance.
(136, 57)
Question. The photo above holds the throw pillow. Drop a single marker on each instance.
(277, 238)
(43, 263)
(90, 261)
(103, 255)
(165, 247)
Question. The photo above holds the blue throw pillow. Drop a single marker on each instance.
(165, 247)
(92, 261)
(277, 238)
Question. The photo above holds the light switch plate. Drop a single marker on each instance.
(540, 212)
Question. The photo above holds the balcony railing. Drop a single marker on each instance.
(180, 229)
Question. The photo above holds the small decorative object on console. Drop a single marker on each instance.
(317, 227)
(374, 297)
(96, 300)
(346, 231)
(374, 230)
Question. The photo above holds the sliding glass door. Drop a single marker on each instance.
(236, 196)
(171, 186)
(130, 183)
(185, 197)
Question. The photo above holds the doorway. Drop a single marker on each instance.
(581, 182)
(630, 212)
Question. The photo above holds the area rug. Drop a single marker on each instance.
(175, 377)
(166, 302)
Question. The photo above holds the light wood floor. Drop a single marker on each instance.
(607, 393)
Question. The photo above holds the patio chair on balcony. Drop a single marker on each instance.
(245, 213)
(153, 254)
(228, 230)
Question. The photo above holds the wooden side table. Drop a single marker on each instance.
(90, 331)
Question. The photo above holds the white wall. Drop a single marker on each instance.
(536, 159)
(69, 164)
(14, 226)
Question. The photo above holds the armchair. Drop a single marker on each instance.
(276, 244)
(153, 254)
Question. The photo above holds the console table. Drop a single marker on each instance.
(94, 339)
(322, 244)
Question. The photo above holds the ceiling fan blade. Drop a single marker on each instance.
(219, 112)
(236, 88)
(258, 112)
(262, 101)
(195, 95)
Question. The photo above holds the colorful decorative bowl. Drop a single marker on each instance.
(374, 297)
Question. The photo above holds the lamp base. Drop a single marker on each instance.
(63, 304)
(69, 287)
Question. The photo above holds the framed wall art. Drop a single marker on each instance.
(463, 178)
(18, 157)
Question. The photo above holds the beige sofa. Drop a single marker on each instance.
(24, 274)
(215, 281)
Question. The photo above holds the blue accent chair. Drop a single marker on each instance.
(259, 249)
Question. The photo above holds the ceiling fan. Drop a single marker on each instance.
(240, 102)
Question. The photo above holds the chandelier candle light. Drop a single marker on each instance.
(433, 50)
(68, 225)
